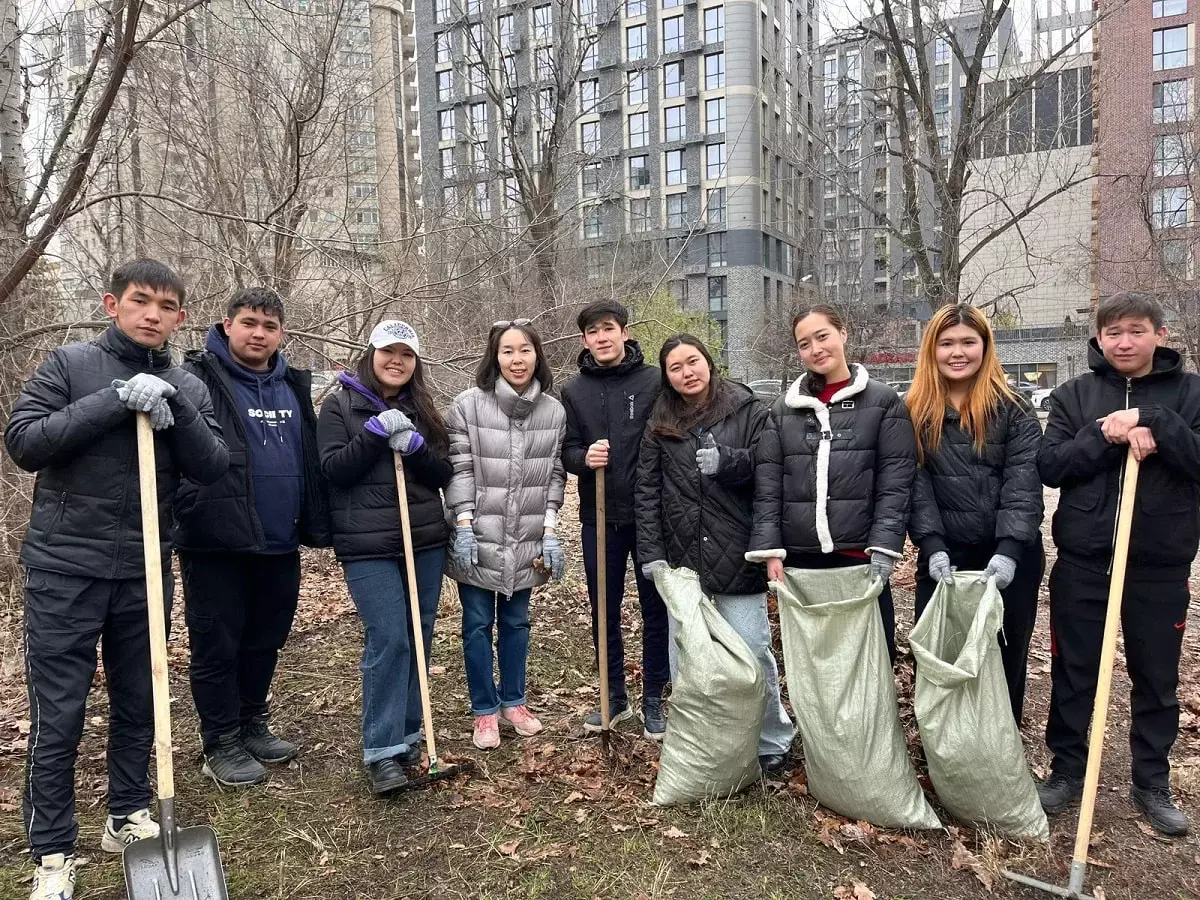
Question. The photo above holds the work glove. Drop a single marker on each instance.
(1003, 568)
(882, 565)
(161, 416)
(141, 392)
(553, 556)
(653, 566)
(402, 436)
(939, 566)
(708, 457)
(466, 548)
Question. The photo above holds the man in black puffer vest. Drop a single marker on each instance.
(83, 553)
(238, 539)
(1137, 397)
(607, 407)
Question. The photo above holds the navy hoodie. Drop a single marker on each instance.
(271, 415)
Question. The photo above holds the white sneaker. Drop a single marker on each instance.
(138, 826)
(54, 878)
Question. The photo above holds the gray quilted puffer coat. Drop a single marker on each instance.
(505, 449)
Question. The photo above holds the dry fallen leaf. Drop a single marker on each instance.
(962, 858)
(620, 828)
(572, 797)
(674, 832)
(700, 859)
(508, 848)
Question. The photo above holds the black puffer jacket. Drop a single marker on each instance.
(837, 476)
(362, 477)
(1076, 458)
(697, 522)
(612, 403)
(71, 428)
(965, 496)
(222, 516)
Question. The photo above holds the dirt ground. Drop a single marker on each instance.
(551, 816)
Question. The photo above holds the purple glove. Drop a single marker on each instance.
(399, 431)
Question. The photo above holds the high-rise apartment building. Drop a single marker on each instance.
(669, 138)
(1062, 27)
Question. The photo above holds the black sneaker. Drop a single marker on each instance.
(1162, 814)
(263, 745)
(410, 757)
(618, 711)
(1058, 792)
(228, 763)
(653, 719)
(772, 763)
(386, 776)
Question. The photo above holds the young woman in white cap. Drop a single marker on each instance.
(506, 435)
(386, 406)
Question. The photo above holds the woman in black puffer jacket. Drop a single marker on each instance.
(977, 499)
(694, 500)
(835, 478)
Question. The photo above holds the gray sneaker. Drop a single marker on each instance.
(618, 711)
(653, 718)
(228, 763)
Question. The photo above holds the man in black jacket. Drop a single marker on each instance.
(239, 538)
(607, 407)
(1137, 397)
(85, 570)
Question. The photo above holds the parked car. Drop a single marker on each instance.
(1041, 399)
(1024, 388)
(766, 389)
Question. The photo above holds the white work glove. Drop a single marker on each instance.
(882, 565)
(161, 416)
(552, 555)
(939, 566)
(653, 566)
(1004, 568)
(143, 391)
(708, 457)
(466, 547)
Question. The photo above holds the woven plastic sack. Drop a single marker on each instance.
(840, 680)
(972, 745)
(717, 699)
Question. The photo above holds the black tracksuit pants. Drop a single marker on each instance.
(621, 546)
(240, 608)
(1020, 606)
(1153, 619)
(66, 616)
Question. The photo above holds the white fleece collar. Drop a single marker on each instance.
(798, 396)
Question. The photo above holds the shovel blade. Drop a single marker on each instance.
(200, 876)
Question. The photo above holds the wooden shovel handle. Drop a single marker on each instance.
(155, 607)
(602, 598)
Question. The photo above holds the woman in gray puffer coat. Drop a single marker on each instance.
(506, 439)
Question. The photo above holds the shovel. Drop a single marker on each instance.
(180, 862)
(1108, 651)
(602, 609)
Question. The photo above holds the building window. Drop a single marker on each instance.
(441, 44)
(479, 156)
(1177, 260)
(715, 209)
(446, 124)
(635, 42)
(364, 191)
(637, 92)
(829, 74)
(591, 180)
(639, 215)
(716, 249)
(587, 13)
(508, 68)
(714, 71)
(639, 129)
(589, 137)
(483, 202)
(714, 25)
(447, 160)
(1170, 155)
(505, 28)
(673, 80)
(717, 293)
(476, 48)
(445, 85)
(545, 106)
(941, 51)
(1170, 48)
(1171, 101)
(479, 120)
(1161, 9)
(714, 116)
(474, 7)
(543, 24)
(441, 10)
(589, 95)
(543, 59)
(591, 222)
(476, 78)
(714, 161)
(1170, 207)
(674, 123)
(639, 173)
(676, 170)
(635, 8)
(676, 210)
(672, 33)
(588, 62)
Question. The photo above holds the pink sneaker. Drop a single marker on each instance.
(522, 720)
(487, 733)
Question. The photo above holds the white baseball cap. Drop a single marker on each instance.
(393, 331)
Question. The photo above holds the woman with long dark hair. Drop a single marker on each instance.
(695, 499)
(506, 437)
(977, 499)
(836, 475)
(386, 406)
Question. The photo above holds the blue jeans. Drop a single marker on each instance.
(391, 707)
(482, 608)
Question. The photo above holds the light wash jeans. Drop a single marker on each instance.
(747, 614)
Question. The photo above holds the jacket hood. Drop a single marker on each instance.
(633, 358)
(217, 342)
(1166, 361)
(125, 348)
(800, 396)
(350, 383)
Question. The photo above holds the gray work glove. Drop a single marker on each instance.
(708, 460)
(939, 566)
(402, 436)
(882, 565)
(1004, 568)
(653, 566)
(553, 557)
(161, 416)
(141, 392)
(466, 548)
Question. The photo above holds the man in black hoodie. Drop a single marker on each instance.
(238, 539)
(607, 407)
(1137, 397)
